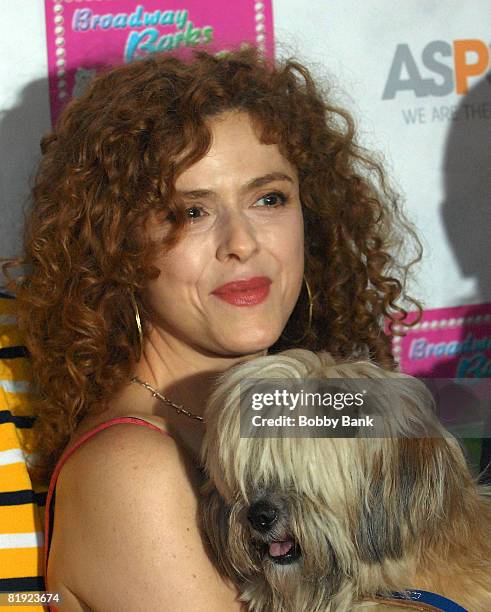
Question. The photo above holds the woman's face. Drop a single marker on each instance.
(246, 222)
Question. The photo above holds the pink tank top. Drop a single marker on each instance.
(50, 498)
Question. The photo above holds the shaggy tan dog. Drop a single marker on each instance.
(306, 524)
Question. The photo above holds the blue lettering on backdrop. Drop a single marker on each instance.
(85, 19)
(135, 18)
(140, 42)
(81, 20)
(148, 40)
(421, 348)
(478, 366)
(106, 21)
(120, 21)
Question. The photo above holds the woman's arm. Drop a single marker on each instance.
(126, 534)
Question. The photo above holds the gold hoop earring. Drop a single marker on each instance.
(311, 306)
(138, 324)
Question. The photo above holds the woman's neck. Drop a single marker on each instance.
(181, 372)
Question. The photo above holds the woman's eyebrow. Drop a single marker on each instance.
(252, 184)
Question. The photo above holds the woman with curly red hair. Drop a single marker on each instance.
(187, 216)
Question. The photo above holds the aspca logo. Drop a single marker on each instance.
(451, 65)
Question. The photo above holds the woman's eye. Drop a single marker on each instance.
(191, 213)
(194, 210)
(274, 199)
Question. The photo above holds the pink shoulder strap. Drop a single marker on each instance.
(49, 514)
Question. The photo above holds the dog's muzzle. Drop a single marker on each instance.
(263, 517)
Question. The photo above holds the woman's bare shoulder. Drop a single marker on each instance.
(121, 441)
(126, 531)
(90, 422)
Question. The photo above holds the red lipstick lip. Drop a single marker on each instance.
(249, 284)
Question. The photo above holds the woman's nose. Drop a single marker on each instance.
(237, 237)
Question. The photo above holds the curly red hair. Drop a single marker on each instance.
(111, 162)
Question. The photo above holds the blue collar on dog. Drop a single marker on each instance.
(432, 599)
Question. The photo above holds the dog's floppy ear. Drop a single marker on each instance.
(411, 491)
(214, 518)
(376, 528)
(434, 481)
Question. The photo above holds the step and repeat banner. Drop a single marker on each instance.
(417, 78)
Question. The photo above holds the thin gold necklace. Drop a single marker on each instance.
(155, 393)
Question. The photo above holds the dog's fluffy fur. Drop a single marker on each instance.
(369, 515)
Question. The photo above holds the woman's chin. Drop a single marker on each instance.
(250, 344)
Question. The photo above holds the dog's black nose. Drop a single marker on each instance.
(262, 515)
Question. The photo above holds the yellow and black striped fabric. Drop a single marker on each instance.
(21, 506)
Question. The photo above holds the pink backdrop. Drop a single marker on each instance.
(85, 35)
(454, 343)
(448, 343)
